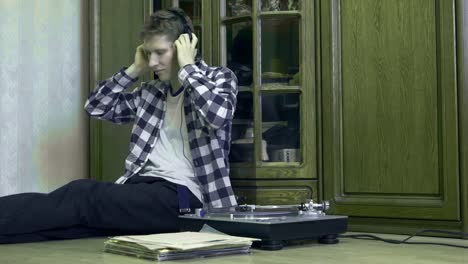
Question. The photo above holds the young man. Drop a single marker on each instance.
(179, 147)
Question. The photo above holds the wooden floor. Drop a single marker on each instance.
(347, 251)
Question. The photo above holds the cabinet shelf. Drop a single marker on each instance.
(278, 164)
(242, 164)
(245, 89)
(274, 164)
(236, 19)
(281, 88)
(294, 13)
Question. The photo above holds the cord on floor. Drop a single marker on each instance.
(405, 241)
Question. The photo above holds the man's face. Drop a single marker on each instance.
(161, 56)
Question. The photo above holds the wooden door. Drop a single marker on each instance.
(390, 143)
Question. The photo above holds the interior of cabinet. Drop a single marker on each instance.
(262, 43)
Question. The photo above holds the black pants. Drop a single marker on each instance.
(88, 208)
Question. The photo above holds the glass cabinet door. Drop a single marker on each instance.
(271, 46)
(279, 82)
(236, 31)
(260, 42)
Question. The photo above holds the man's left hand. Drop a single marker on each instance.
(186, 50)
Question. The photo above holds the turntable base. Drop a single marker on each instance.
(274, 229)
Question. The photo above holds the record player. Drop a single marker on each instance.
(275, 225)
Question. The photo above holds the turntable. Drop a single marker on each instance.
(275, 225)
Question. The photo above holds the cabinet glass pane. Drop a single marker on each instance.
(193, 9)
(280, 5)
(280, 51)
(198, 33)
(239, 52)
(281, 127)
(242, 141)
(238, 7)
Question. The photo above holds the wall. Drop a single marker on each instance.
(44, 83)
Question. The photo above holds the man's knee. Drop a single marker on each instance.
(75, 187)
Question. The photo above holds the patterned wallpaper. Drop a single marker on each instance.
(43, 86)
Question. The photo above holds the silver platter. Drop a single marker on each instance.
(260, 214)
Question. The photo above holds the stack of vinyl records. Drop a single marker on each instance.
(182, 245)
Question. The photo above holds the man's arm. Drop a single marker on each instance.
(110, 102)
(214, 99)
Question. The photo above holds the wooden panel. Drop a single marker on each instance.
(462, 73)
(401, 226)
(120, 22)
(389, 101)
(277, 192)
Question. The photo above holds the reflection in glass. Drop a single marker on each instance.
(198, 33)
(239, 51)
(280, 5)
(193, 9)
(280, 52)
(281, 127)
(242, 136)
(238, 7)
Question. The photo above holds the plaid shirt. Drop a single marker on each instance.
(209, 104)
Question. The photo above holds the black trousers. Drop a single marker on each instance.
(89, 208)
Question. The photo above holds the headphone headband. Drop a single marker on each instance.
(186, 28)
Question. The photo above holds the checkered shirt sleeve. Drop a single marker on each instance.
(109, 102)
(214, 98)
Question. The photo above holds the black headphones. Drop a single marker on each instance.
(186, 28)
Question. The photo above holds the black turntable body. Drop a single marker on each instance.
(274, 225)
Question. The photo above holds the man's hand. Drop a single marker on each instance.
(186, 51)
(141, 63)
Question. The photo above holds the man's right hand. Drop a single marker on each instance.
(140, 65)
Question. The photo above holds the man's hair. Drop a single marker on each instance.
(165, 22)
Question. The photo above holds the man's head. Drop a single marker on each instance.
(166, 22)
(159, 33)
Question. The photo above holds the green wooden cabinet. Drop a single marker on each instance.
(359, 102)
(389, 103)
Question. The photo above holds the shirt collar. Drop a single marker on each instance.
(164, 87)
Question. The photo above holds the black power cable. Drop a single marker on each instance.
(405, 241)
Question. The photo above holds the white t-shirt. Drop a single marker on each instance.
(170, 158)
